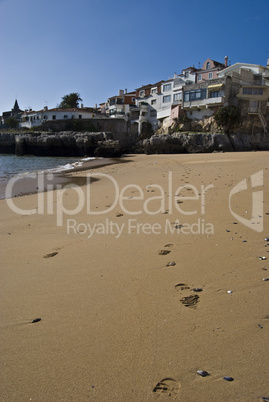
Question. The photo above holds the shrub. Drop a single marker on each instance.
(226, 117)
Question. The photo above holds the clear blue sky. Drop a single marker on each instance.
(50, 48)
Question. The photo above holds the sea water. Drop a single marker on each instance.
(12, 165)
(21, 167)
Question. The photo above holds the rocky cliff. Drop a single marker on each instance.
(108, 145)
(61, 144)
(202, 142)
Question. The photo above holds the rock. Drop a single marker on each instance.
(108, 149)
(202, 373)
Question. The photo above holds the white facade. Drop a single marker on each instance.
(255, 68)
(31, 118)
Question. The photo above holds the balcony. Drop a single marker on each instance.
(203, 103)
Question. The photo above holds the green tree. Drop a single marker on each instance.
(70, 101)
(226, 117)
(12, 122)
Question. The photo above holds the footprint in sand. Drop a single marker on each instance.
(182, 286)
(188, 301)
(164, 252)
(167, 386)
(50, 254)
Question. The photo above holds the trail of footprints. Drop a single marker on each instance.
(170, 386)
(190, 300)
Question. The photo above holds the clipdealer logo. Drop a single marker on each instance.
(164, 200)
(256, 220)
(132, 199)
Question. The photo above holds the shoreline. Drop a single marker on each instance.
(26, 186)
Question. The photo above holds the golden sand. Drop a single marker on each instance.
(120, 320)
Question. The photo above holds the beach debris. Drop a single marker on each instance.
(164, 252)
(228, 378)
(227, 230)
(229, 291)
(197, 289)
(265, 279)
(244, 241)
(264, 398)
(202, 373)
(262, 258)
(167, 386)
(266, 239)
(169, 245)
(119, 214)
(36, 320)
(260, 326)
(178, 226)
(171, 264)
(190, 301)
(50, 255)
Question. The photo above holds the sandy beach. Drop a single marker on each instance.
(155, 270)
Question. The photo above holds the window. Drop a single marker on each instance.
(153, 102)
(252, 91)
(65, 116)
(166, 98)
(210, 76)
(186, 74)
(195, 95)
(80, 116)
(177, 97)
(199, 77)
(53, 117)
(166, 87)
(208, 65)
(153, 90)
(153, 113)
(142, 93)
(214, 94)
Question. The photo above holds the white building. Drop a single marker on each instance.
(31, 118)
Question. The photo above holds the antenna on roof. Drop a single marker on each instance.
(199, 65)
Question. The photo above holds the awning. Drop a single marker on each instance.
(215, 87)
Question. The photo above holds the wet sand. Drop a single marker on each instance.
(43, 181)
(133, 295)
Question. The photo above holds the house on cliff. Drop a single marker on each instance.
(245, 86)
(31, 118)
(120, 105)
(161, 104)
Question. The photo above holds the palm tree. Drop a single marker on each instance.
(70, 101)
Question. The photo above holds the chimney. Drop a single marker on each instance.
(82, 106)
(226, 61)
(267, 63)
(96, 106)
(126, 90)
(45, 107)
(121, 92)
